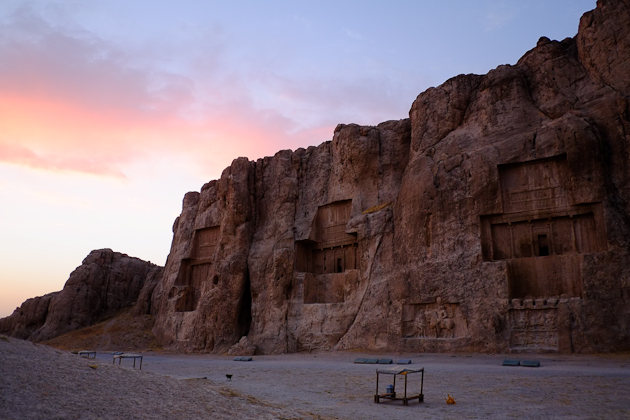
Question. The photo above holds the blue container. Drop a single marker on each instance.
(390, 389)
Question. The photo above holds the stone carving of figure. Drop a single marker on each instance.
(550, 321)
(520, 320)
(551, 340)
(440, 321)
(526, 321)
(518, 339)
(537, 320)
(420, 326)
(537, 339)
(408, 330)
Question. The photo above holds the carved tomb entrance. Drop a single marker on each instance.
(195, 271)
(541, 235)
(327, 254)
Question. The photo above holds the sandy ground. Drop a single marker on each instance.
(322, 385)
(329, 384)
(40, 382)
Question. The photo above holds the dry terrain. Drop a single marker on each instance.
(121, 332)
(38, 381)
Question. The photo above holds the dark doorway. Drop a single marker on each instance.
(543, 246)
(245, 307)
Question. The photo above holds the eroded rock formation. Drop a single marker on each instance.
(28, 318)
(494, 218)
(102, 285)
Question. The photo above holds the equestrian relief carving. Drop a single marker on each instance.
(433, 320)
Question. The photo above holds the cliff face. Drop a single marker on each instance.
(105, 283)
(495, 218)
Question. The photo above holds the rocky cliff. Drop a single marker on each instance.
(102, 285)
(495, 218)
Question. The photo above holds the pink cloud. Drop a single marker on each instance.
(20, 155)
(71, 101)
(87, 72)
(54, 134)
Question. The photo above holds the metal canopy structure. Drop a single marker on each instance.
(391, 393)
(128, 356)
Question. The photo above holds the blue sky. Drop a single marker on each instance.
(110, 111)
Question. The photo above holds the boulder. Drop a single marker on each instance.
(242, 348)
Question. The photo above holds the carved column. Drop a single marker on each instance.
(511, 240)
(552, 245)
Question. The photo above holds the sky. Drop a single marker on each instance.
(111, 110)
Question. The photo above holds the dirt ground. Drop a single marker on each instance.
(331, 385)
(38, 382)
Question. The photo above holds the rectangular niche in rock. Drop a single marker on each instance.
(195, 271)
(327, 254)
(542, 231)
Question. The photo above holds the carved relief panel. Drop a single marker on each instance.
(533, 325)
(433, 320)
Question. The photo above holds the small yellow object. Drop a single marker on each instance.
(450, 399)
(93, 366)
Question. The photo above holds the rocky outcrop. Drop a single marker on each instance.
(242, 348)
(105, 283)
(28, 318)
(494, 218)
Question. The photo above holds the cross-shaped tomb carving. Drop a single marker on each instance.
(327, 254)
(543, 230)
(195, 270)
